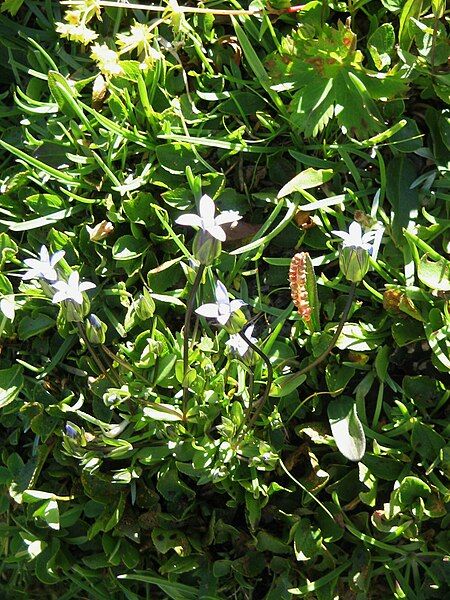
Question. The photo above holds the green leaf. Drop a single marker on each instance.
(401, 173)
(175, 591)
(434, 274)
(49, 512)
(381, 44)
(346, 428)
(30, 326)
(426, 441)
(337, 377)
(305, 180)
(286, 384)
(11, 382)
(411, 8)
(163, 412)
(12, 6)
(128, 247)
(410, 489)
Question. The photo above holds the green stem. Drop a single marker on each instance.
(302, 487)
(186, 331)
(125, 365)
(94, 355)
(264, 397)
(336, 335)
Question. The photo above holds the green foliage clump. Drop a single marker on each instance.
(173, 425)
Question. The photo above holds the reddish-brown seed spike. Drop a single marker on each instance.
(297, 280)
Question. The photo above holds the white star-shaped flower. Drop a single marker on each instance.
(238, 345)
(355, 237)
(44, 267)
(71, 289)
(207, 221)
(223, 308)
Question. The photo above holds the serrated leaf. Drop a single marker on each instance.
(346, 428)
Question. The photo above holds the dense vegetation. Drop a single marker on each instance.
(224, 300)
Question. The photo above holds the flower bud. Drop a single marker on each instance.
(75, 312)
(95, 330)
(354, 263)
(100, 231)
(236, 322)
(206, 248)
(145, 306)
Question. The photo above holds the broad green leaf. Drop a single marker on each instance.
(128, 247)
(401, 173)
(163, 412)
(286, 384)
(434, 274)
(29, 326)
(346, 428)
(49, 512)
(11, 382)
(410, 489)
(310, 178)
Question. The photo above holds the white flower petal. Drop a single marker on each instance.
(8, 308)
(207, 208)
(227, 216)
(355, 233)
(216, 232)
(86, 285)
(44, 255)
(76, 296)
(342, 234)
(59, 297)
(211, 311)
(221, 293)
(30, 274)
(222, 319)
(74, 279)
(189, 220)
(33, 263)
(56, 257)
(236, 305)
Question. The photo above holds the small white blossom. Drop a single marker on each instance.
(43, 268)
(238, 345)
(71, 289)
(223, 308)
(355, 238)
(207, 221)
(8, 307)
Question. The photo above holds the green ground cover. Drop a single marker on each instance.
(224, 300)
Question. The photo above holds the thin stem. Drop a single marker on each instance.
(94, 355)
(186, 331)
(302, 487)
(125, 364)
(337, 333)
(264, 397)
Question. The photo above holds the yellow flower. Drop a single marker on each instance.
(139, 37)
(73, 17)
(76, 33)
(106, 59)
